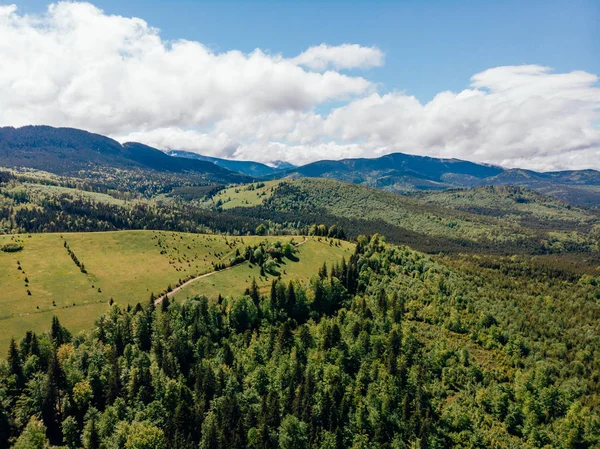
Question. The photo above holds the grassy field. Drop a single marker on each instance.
(43, 280)
(246, 195)
(311, 254)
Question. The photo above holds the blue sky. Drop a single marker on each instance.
(513, 83)
(430, 46)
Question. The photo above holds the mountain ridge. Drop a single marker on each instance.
(70, 150)
(404, 173)
(249, 168)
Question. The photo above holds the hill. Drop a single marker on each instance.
(67, 151)
(403, 173)
(490, 340)
(34, 201)
(514, 204)
(44, 279)
(499, 220)
(400, 172)
(249, 168)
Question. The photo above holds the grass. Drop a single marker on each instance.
(126, 266)
(245, 195)
(311, 255)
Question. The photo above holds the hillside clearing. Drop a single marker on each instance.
(43, 279)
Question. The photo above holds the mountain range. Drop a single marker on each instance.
(404, 173)
(67, 151)
(249, 168)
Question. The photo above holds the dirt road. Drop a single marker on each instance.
(205, 275)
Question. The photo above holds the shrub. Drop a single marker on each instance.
(12, 248)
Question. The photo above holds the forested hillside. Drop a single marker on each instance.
(499, 220)
(67, 151)
(387, 349)
(496, 220)
(41, 202)
(403, 173)
(249, 168)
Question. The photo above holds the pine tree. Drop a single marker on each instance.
(254, 292)
(151, 302)
(274, 303)
(382, 302)
(290, 299)
(343, 273)
(164, 305)
(50, 405)
(113, 386)
(15, 364)
(56, 332)
(323, 271)
(26, 344)
(319, 300)
(397, 307)
(35, 346)
(92, 436)
(351, 276)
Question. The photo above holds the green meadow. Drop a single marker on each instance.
(246, 195)
(311, 255)
(43, 279)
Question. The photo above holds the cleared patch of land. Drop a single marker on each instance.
(311, 255)
(43, 278)
(247, 195)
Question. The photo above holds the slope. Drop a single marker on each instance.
(403, 173)
(535, 225)
(249, 168)
(67, 151)
(400, 172)
(44, 279)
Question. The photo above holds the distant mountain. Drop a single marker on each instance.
(402, 173)
(282, 165)
(581, 187)
(249, 168)
(66, 151)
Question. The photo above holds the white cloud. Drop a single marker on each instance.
(514, 116)
(76, 66)
(346, 56)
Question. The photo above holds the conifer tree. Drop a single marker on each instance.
(15, 364)
(50, 405)
(164, 305)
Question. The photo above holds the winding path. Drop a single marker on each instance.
(205, 275)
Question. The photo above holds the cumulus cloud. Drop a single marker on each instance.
(513, 116)
(346, 56)
(77, 66)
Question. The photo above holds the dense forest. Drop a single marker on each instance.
(390, 348)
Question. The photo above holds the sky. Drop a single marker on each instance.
(501, 82)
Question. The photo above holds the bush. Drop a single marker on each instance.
(12, 248)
